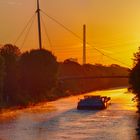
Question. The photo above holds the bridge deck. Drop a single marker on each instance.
(90, 77)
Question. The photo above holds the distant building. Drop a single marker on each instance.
(72, 59)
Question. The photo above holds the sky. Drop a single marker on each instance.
(113, 27)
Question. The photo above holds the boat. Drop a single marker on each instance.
(91, 102)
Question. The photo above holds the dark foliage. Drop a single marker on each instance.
(26, 78)
(73, 69)
(134, 81)
(2, 74)
(38, 69)
(31, 77)
(10, 54)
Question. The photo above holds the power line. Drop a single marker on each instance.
(62, 25)
(24, 29)
(66, 28)
(105, 46)
(47, 35)
(27, 33)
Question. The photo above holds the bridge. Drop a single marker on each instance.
(91, 77)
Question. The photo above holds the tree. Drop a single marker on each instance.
(2, 74)
(134, 79)
(38, 69)
(11, 54)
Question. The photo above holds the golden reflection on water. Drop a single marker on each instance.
(8, 114)
(120, 100)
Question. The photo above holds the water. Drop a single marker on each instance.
(60, 120)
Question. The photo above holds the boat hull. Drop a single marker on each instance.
(90, 108)
(93, 103)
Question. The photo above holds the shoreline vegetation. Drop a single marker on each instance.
(32, 77)
(13, 108)
(134, 82)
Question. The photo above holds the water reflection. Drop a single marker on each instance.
(65, 124)
(138, 123)
(60, 120)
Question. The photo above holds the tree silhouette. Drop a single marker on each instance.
(2, 74)
(38, 69)
(134, 81)
(134, 78)
(10, 53)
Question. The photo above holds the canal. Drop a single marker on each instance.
(60, 120)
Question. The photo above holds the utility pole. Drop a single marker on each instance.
(39, 25)
(84, 44)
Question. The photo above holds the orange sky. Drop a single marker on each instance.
(113, 26)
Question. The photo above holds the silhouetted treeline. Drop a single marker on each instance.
(26, 78)
(33, 76)
(73, 69)
(134, 81)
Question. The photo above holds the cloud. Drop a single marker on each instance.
(11, 2)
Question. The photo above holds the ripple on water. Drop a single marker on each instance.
(60, 120)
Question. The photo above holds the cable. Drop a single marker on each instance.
(65, 29)
(47, 35)
(27, 33)
(24, 29)
(62, 25)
